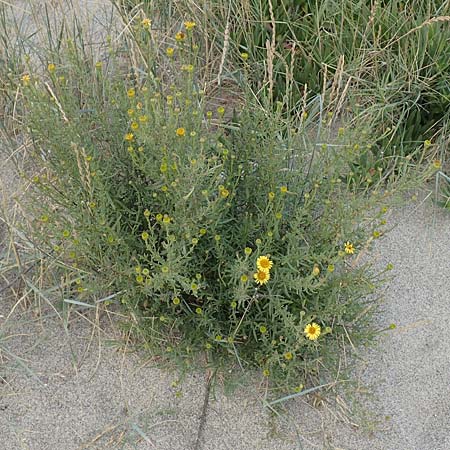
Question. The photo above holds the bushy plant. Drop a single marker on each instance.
(238, 240)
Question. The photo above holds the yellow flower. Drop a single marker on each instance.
(264, 264)
(170, 51)
(271, 195)
(221, 110)
(139, 278)
(131, 93)
(180, 36)
(288, 356)
(176, 301)
(437, 164)
(248, 251)
(283, 189)
(51, 67)
(261, 277)
(146, 23)
(244, 56)
(312, 331)
(143, 119)
(189, 25)
(181, 132)
(144, 235)
(129, 137)
(244, 278)
(330, 268)
(262, 329)
(134, 126)
(26, 79)
(349, 248)
(316, 270)
(187, 68)
(98, 65)
(224, 193)
(266, 372)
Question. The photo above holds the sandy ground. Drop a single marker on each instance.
(69, 385)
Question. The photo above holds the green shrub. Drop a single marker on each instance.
(152, 202)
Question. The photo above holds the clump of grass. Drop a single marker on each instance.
(391, 57)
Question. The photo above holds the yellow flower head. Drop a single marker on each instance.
(170, 52)
(51, 67)
(129, 137)
(134, 125)
(244, 56)
(131, 93)
(189, 25)
(244, 278)
(264, 264)
(187, 68)
(312, 331)
(224, 193)
(181, 132)
(437, 164)
(261, 277)
(288, 356)
(146, 23)
(180, 36)
(26, 80)
(283, 189)
(349, 248)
